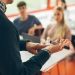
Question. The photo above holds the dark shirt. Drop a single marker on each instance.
(10, 45)
(24, 26)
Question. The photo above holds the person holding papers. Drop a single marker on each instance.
(10, 45)
(58, 29)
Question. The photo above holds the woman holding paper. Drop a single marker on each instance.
(58, 29)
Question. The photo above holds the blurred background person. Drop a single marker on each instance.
(58, 29)
(26, 23)
(63, 5)
(68, 19)
(69, 22)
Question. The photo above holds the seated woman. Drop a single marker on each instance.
(58, 29)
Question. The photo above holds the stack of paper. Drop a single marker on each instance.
(54, 59)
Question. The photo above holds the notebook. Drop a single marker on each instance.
(53, 60)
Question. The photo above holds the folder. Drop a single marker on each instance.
(52, 61)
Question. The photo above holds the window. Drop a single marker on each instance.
(31, 6)
(53, 3)
(70, 2)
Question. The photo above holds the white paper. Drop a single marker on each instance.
(53, 60)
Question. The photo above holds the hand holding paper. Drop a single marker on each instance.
(58, 47)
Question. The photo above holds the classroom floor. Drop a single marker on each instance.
(64, 67)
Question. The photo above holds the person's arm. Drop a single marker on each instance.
(23, 45)
(37, 25)
(44, 35)
(68, 36)
(68, 33)
(34, 64)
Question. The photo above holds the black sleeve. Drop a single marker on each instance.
(10, 60)
(23, 44)
(9, 35)
(36, 62)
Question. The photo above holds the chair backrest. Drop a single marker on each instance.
(73, 40)
(38, 32)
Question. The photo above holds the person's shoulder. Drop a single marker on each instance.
(6, 24)
(68, 28)
(16, 19)
(8, 27)
(49, 26)
(31, 16)
(52, 24)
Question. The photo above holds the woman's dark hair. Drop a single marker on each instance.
(65, 3)
(22, 3)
